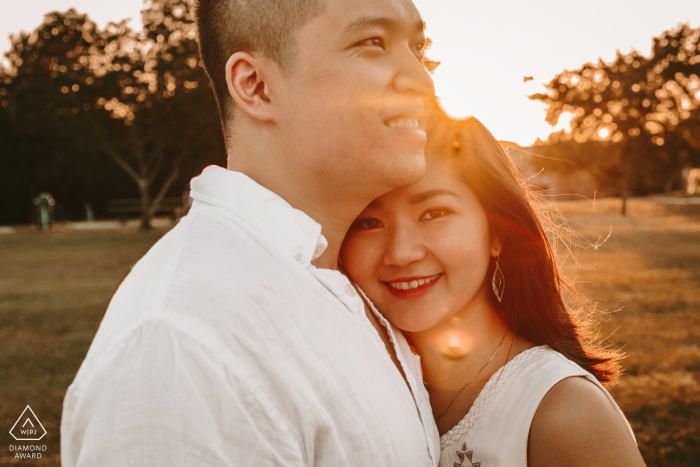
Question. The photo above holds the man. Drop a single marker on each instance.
(235, 340)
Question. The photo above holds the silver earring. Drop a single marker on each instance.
(498, 282)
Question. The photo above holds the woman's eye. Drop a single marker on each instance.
(373, 42)
(366, 224)
(434, 214)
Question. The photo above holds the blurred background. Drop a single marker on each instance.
(106, 114)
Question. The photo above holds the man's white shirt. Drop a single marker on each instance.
(225, 346)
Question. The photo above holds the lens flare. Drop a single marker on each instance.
(456, 346)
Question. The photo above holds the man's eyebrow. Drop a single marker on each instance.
(383, 22)
(420, 197)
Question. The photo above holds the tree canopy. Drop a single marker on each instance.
(647, 107)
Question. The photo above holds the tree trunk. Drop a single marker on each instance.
(627, 159)
(624, 188)
(145, 206)
(149, 165)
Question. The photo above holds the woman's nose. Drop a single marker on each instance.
(404, 246)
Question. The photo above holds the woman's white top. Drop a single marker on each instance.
(495, 431)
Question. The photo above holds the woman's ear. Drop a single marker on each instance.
(496, 246)
(247, 85)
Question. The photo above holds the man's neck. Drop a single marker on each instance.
(333, 209)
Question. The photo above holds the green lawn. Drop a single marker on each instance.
(55, 288)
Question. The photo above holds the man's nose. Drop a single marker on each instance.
(413, 77)
(403, 248)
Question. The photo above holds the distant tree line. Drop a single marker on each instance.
(90, 114)
(636, 121)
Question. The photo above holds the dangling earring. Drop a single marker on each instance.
(498, 282)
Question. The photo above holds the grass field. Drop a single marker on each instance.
(648, 275)
(54, 290)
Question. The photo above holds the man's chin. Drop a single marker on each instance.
(409, 169)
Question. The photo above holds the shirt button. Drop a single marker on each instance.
(319, 250)
(350, 290)
(299, 258)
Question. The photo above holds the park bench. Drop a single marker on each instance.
(174, 207)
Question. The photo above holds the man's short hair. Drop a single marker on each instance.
(229, 26)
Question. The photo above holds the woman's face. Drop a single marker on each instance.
(421, 252)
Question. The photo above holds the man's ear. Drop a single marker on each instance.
(245, 77)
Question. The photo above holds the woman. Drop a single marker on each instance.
(460, 262)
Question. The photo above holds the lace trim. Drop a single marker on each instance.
(487, 393)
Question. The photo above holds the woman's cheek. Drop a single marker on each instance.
(356, 258)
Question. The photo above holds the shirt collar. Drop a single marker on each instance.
(291, 230)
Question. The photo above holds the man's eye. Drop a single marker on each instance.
(419, 50)
(434, 214)
(366, 224)
(373, 42)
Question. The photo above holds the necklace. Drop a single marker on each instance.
(472, 380)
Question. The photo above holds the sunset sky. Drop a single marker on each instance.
(486, 48)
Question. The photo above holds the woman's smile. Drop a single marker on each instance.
(412, 287)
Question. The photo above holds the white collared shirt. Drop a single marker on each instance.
(224, 346)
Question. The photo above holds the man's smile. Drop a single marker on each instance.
(408, 123)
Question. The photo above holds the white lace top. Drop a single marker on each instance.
(495, 431)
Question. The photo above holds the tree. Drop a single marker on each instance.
(635, 101)
(42, 109)
(157, 91)
(75, 93)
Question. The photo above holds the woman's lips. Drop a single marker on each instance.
(413, 292)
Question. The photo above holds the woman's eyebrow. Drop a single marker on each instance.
(375, 204)
(420, 197)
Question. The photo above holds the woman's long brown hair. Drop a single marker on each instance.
(534, 305)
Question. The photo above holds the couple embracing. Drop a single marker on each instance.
(368, 283)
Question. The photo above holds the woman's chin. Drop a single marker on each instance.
(414, 324)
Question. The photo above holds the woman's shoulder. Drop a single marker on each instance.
(543, 356)
(576, 424)
(508, 402)
(539, 368)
